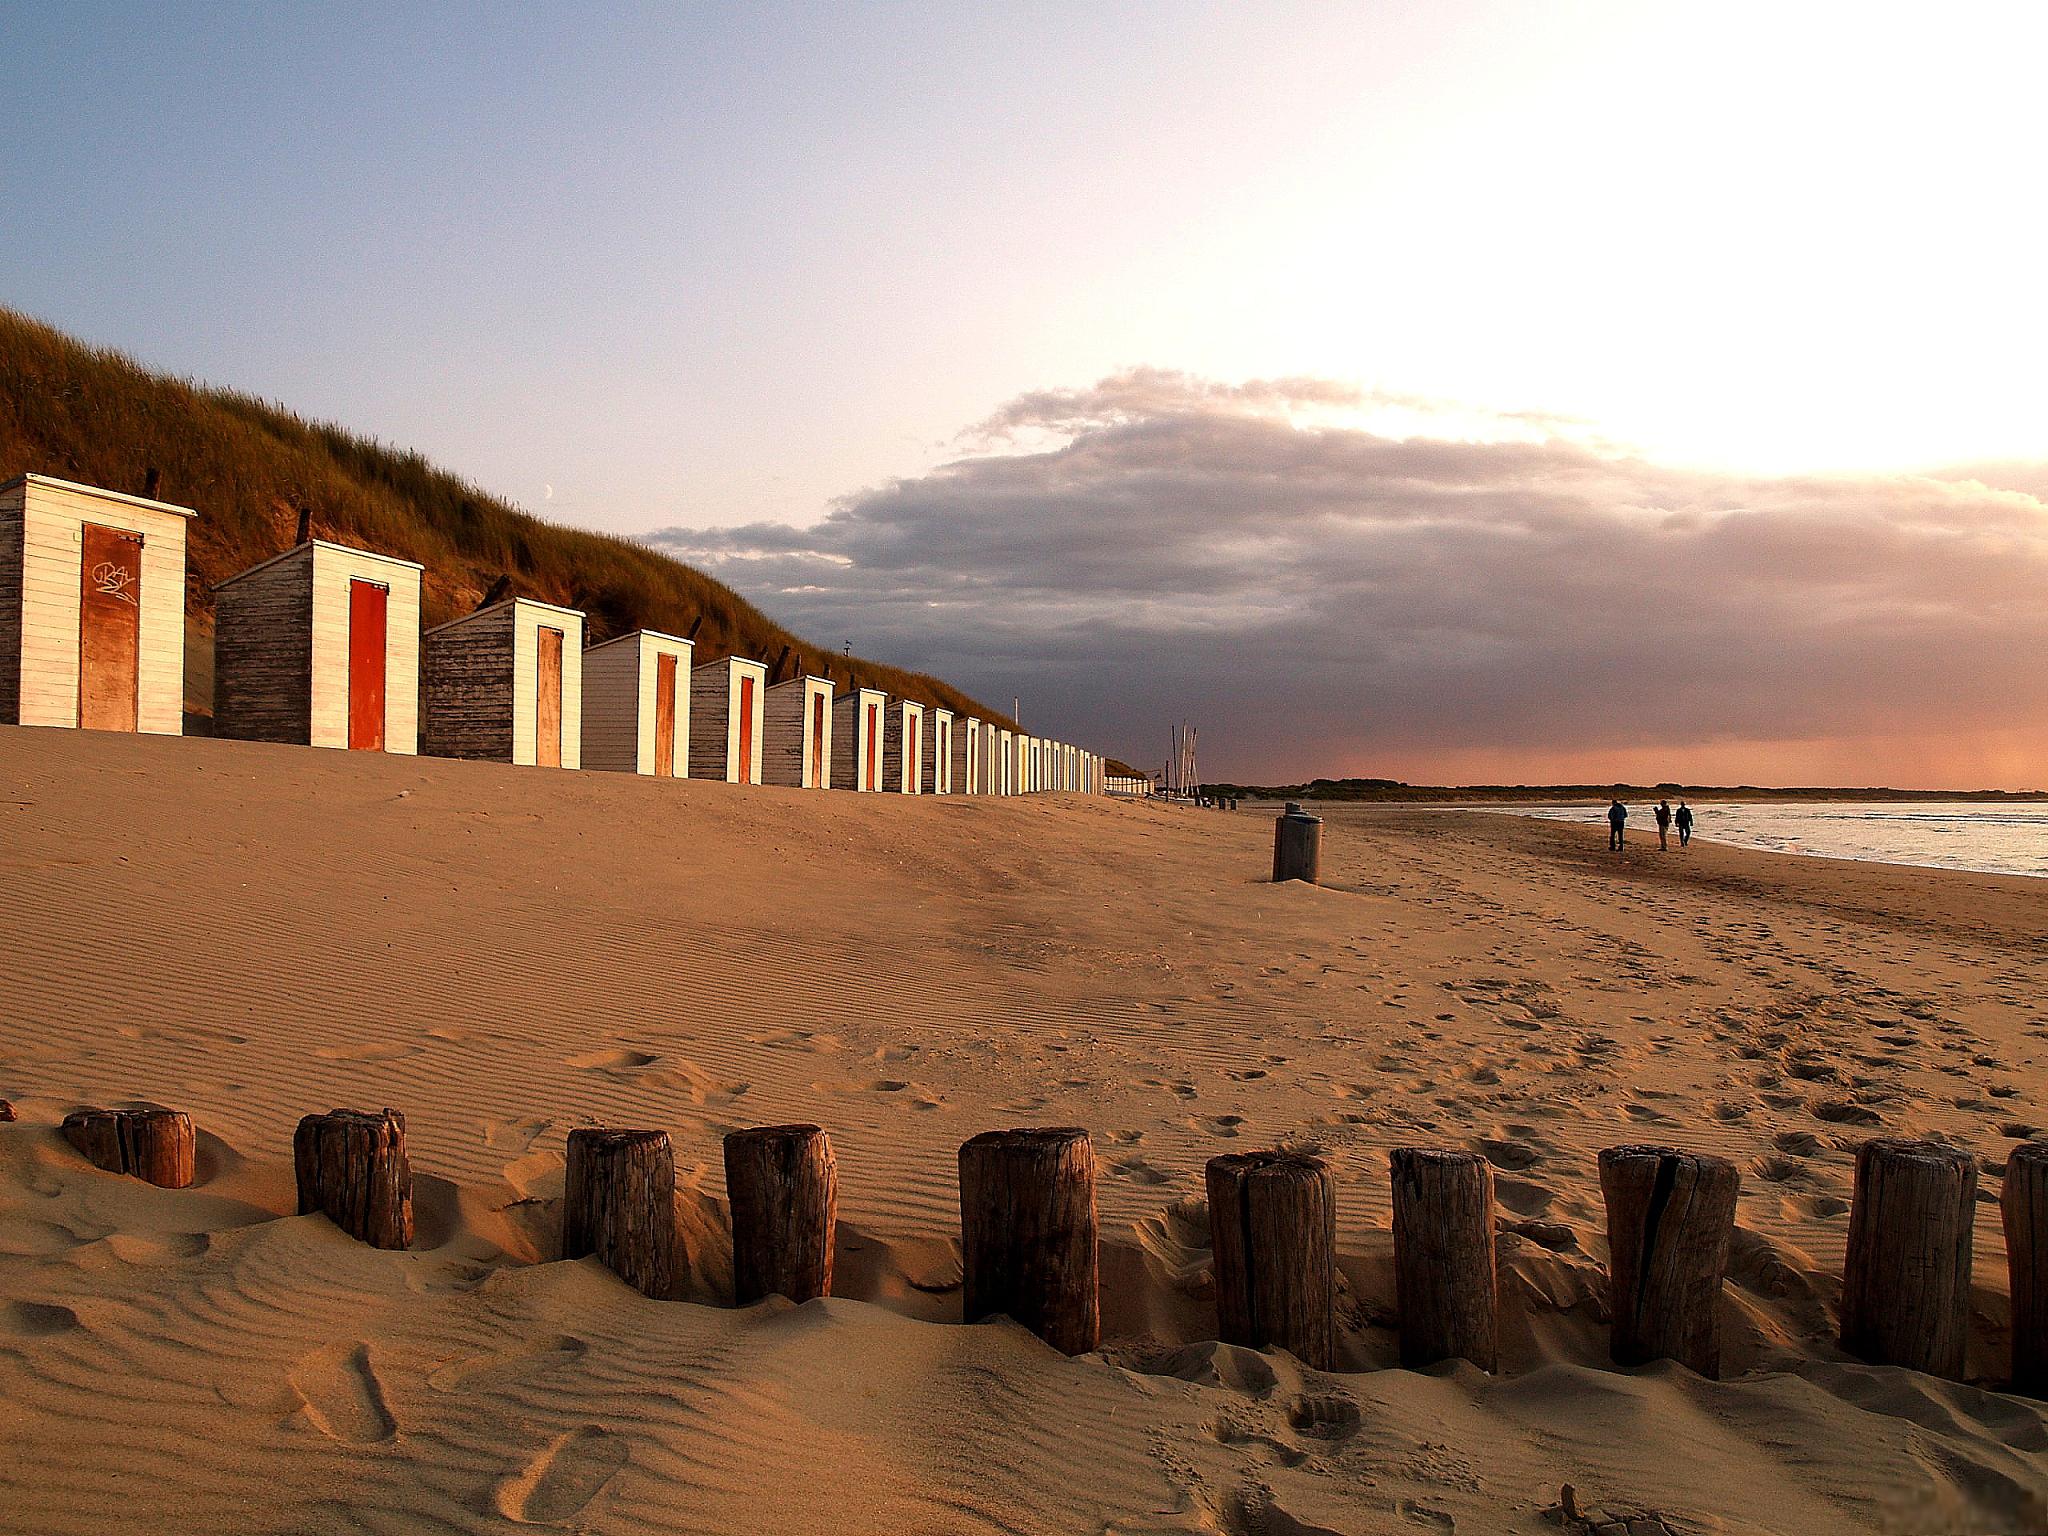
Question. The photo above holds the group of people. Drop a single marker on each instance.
(1617, 821)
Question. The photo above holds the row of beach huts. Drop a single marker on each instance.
(322, 646)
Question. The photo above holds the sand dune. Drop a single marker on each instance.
(250, 933)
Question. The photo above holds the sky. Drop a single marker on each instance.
(1447, 392)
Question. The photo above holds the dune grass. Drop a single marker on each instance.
(249, 468)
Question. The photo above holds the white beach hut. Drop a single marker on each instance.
(505, 684)
(967, 756)
(991, 758)
(1006, 761)
(320, 646)
(857, 732)
(725, 720)
(636, 705)
(92, 608)
(903, 752)
(796, 733)
(936, 771)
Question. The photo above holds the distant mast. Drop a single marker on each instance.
(1181, 779)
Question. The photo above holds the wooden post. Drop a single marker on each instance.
(2024, 1204)
(1297, 845)
(1670, 1217)
(1906, 1282)
(1446, 1286)
(1273, 1231)
(783, 1186)
(619, 1202)
(1028, 1235)
(352, 1167)
(154, 1145)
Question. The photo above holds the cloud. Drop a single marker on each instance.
(1325, 593)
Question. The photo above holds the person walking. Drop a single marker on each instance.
(1617, 818)
(1664, 825)
(1684, 823)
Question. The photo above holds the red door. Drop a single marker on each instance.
(109, 628)
(746, 729)
(368, 605)
(871, 733)
(817, 741)
(665, 717)
(547, 708)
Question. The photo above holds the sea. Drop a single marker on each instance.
(1998, 839)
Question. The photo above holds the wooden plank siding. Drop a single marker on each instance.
(281, 648)
(716, 706)
(903, 747)
(789, 715)
(481, 678)
(620, 679)
(857, 731)
(42, 522)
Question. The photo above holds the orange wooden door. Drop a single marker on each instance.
(873, 731)
(109, 628)
(547, 706)
(817, 741)
(665, 717)
(746, 729)
(368, 609)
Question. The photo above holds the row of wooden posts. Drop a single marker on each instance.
(1029, 1233)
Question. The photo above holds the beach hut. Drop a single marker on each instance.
(505, 684)
(1006, 761)
(903, 752)
(857, 739)
(725, 720)
(936, 771)
(320, 647)
(796, 733)
(636, 705)
(92, 608)
(967, 756)
(991, 758)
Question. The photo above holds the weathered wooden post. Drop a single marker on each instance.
(1028, 1234)
(619, 1202)
(1906, 1282)
(783, 1186)
(352, 1168)
(1670, 1217)
(2024, 1205)
(1273, 1234)
(1297, 845)
(1446, 1287)
(154, 1145)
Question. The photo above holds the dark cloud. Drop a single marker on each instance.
(1322, 597)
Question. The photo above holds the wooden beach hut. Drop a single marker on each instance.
(92, 608)
(725, 720)
(991, 759)
(1006, 762)
(967, 756)
(320, 647)
(903, 750)
(636, 705)
(796, 733)
(936, 771)
(505, 684)
(857, 739)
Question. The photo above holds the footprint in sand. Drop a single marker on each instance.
(341, 1395)
(611, 1061)
(566, 1474)
(521, 1361)
(391, 1052)
(36, 1319)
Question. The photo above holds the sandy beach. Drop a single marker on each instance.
(252, 933)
